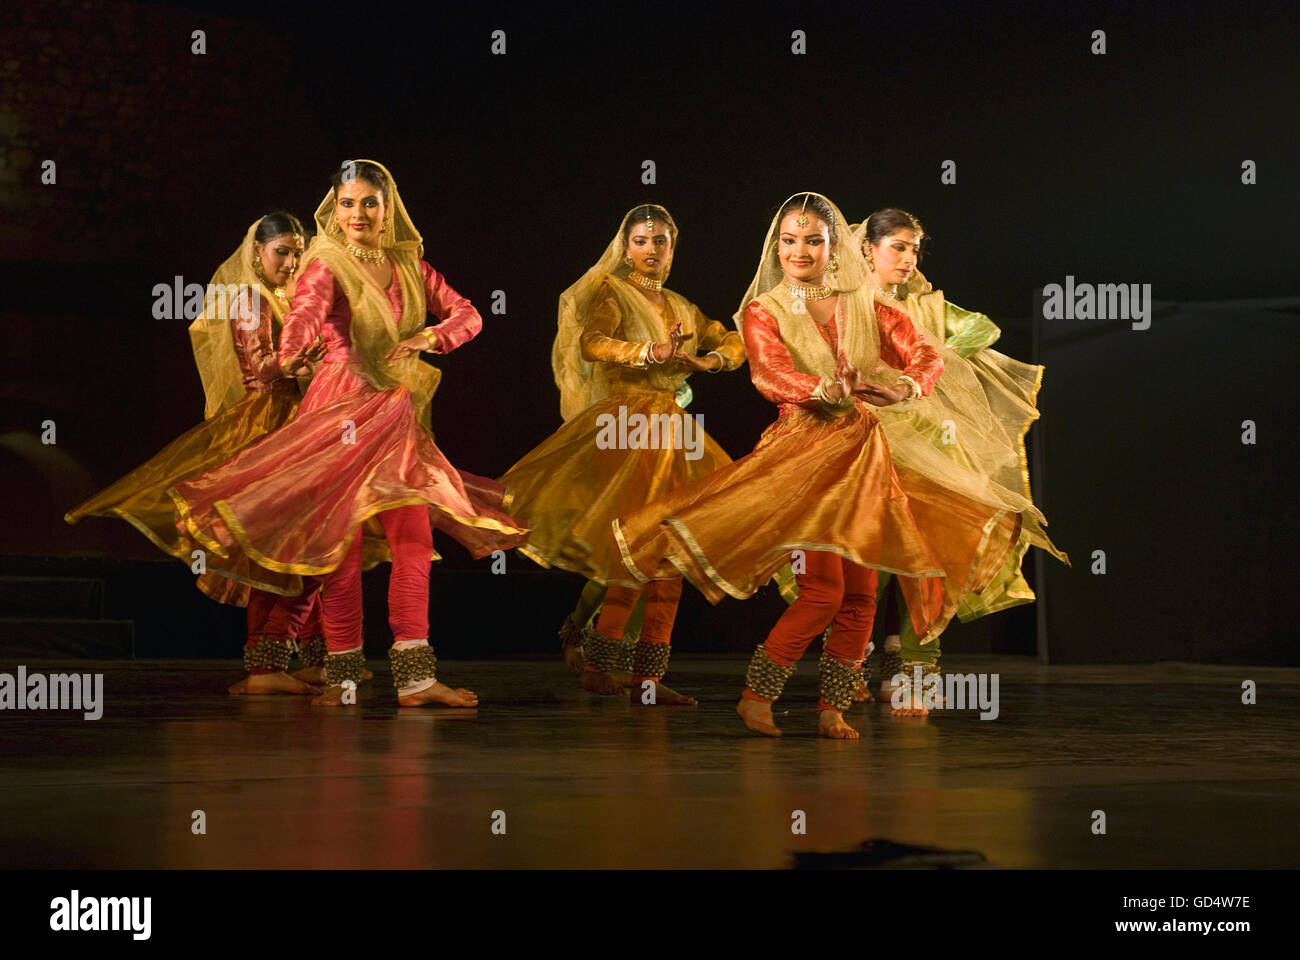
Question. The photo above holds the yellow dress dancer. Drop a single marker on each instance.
(246, 397)
(891, 241)
(623, 351)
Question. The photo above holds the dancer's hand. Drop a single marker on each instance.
(407, 347)
(879, 395)
(665, 350)
(709, 362)
(302, 364)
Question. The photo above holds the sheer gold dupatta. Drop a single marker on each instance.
(373, 330)
(210, 334)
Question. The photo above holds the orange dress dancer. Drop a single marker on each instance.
(823, 488)
(624, 348)
(360, 449)
(247, 397)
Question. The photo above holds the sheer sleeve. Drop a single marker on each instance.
(312, 302)
(599, 345)
(715, 338)
(967, 332)
(459, 322)
(904, 349)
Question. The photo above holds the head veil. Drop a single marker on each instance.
(855, 316)
(582, 383)
(373, 330)
(969, 433)
(210, 336)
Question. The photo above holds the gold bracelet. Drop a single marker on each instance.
(430, 337)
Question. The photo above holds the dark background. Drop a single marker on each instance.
(1122, 168)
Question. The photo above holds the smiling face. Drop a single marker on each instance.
(279, 257)
(804, 251)
(651, 250)
(359, 209)
(895, 256)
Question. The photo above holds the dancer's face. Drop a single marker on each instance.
(650, 250)
(279, 256)
(803, 251)
(895, 255)
(359, 209)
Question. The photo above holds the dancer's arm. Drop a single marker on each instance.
(599, 345)
(904, 349)
(253, 340)
(716, 341)
(312, 302)
(772, 368)
(459, 322)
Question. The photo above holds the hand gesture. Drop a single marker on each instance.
(407, 347)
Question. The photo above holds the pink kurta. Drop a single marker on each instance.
(294, 501)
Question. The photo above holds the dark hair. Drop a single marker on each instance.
(648, 211)
(890, 220)
(274, 224)
(817, 205)
(361, 170)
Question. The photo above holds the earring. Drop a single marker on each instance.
(871, 263)
(628, 260)
(833, 264)
(334, 226)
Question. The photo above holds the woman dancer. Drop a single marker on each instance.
(247, 396)
(823, 479)
(360, 445)
(891, 243)
(620, 364)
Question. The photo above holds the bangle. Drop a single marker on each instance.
(721, 360)
(913, 388)
(430, 337)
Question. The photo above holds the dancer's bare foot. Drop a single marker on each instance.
(758, 716)
(830, 723)
(861, 694)
(333, 697)
(256, 684)
(316, 675)
(910, 706)
(441, 693)
(664, 696)
(597, 681)
(573, 657)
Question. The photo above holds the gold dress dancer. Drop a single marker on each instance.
(623, 352)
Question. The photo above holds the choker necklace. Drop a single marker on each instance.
(369, 256)
(641, 280)
(808, 291)
(893, 291)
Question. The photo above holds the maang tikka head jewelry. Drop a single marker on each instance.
(801, 221)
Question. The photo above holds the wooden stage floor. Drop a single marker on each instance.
(1185, 773)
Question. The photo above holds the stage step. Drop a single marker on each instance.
(46, 637)
(57, 597)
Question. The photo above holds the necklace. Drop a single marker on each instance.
(808, 291)
(641, 280)
(369, 256)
